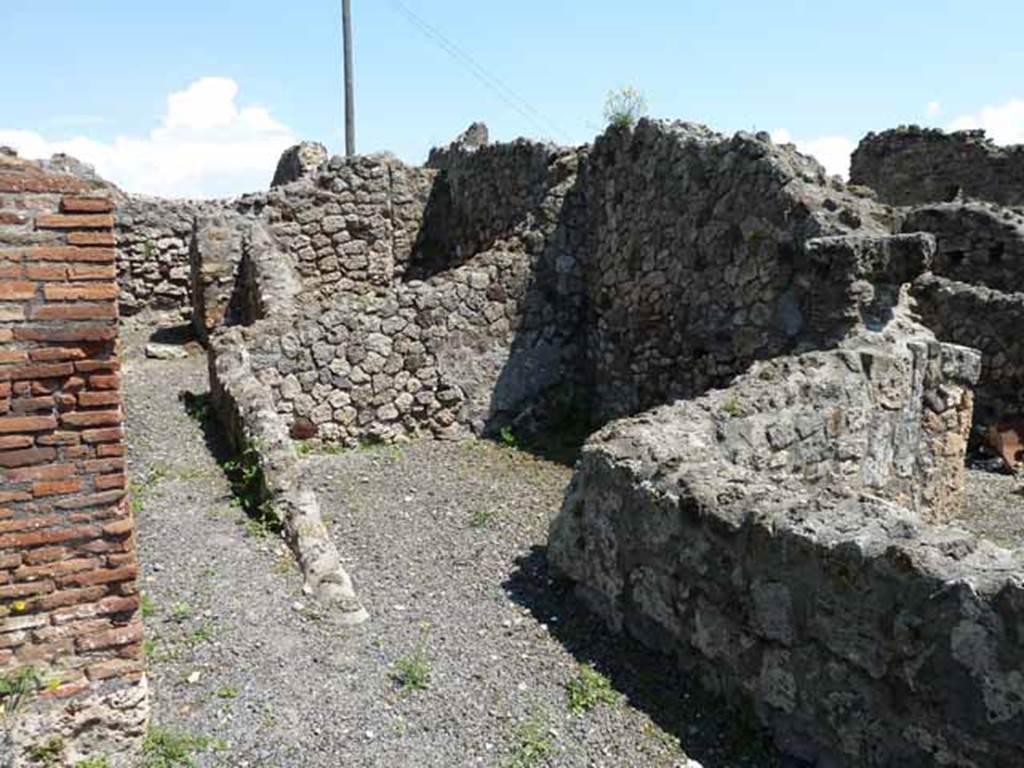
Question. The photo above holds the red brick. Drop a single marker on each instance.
(103, 435)
(87, 205)
(109, 449)
(73, 291)
(11, 424)
(71, 254)
(91, 238)
(60, 438)
(78, 332)
(9, 496)
(77, 452)
(91, 272)
(44, 652)
(41, 182)
(118, 527)
(91, 418)
(10, 217)
(103, 465)
(45, 555)
(57, 487)
(10, 561)
(10, 313)
(17, 290)
(31, 404)
(132, 633)
(39, 538)
(13, 355)
(46, 272)
(106, 482)
(12, 272)
(49, 472)
(103, 381)
(29, 523)
(66, 597)
(99, 398)
(91, 366)
(38, 371)
(78, 311)
(113, 668)
(27, 589)
(101, 576)
(81, 221)
(31, 572)
(51, 354)
(93, 500)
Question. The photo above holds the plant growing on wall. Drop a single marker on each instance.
(624, 107)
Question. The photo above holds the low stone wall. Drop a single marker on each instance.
(259, 434)
(912, 165)
(779, 538)
(70, 623)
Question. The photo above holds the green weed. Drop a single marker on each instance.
(588, 690)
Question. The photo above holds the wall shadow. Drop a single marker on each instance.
(707, 728)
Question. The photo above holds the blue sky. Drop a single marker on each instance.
(252, 76)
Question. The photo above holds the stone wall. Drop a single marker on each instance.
(989, 321)
(70, 626)
(403, 328)
(974, 295)
(912, 165)
(781, 538)
(517, 273)
(694, 258)
(350, 226)
(153, 240)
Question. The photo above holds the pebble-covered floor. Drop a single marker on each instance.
(445, 543)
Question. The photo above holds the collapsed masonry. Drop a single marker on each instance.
(71, 667)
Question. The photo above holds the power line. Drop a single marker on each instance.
(492, 82)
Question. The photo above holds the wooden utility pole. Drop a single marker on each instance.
(350, 107)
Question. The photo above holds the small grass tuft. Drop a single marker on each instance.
(94, 762)
(532, 744)
(412, 672)
(167, 748)
(588, 690)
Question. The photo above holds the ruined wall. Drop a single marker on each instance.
(778, 538)
(349, 227)
(402, 356)
(153, 240)
(70, 626)
(912, 165)
(523, 274)
(974, 296)
(989, 321)
(694, 253)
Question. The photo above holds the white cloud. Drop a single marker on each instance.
(934, 108)
(205, 146)
(833, 152)
(1003, 123)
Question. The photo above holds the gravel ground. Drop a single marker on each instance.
(445, 542)
(995, 504)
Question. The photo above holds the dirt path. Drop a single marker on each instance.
(470, 654)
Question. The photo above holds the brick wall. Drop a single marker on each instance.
(70, 624)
